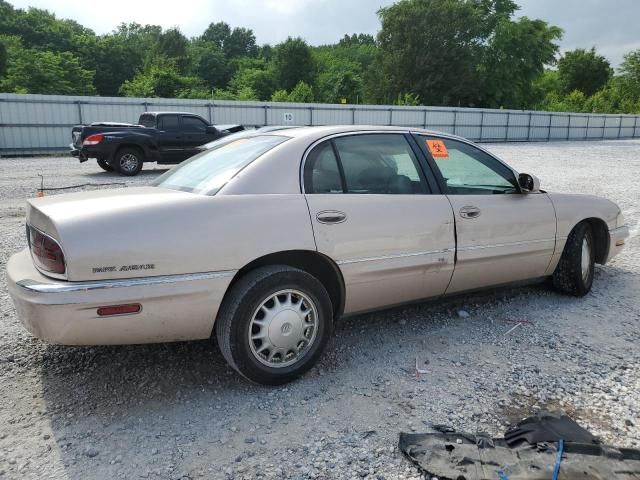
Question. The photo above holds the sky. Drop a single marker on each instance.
(609, 25)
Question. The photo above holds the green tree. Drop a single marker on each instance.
(431, 48)
(160, 79)
(583, 70)
(222, 94)
(494, 12)
(172, 44)
(408, 99)
(34, 71)
(254, 75)
(40, 29)
(630, 75)
(280, 96)
(234, 43)
(217, 33)
(340, 80)
(356, 39)
(301, 93)
(293, 63)
(3, 59)
(116, 61)
(209, 63)
(246, 94)
(241, 43)
(342, 68)
(514, 58)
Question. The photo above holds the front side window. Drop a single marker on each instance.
(468, 170)
(193, 124)
(209, 171)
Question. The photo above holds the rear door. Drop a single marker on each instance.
(194, 131)
(169, 138)
(502, 235)
(374, 211)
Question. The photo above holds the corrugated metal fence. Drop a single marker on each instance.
(41, 123)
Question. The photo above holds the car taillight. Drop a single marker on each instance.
(93, 139)
(45, 251)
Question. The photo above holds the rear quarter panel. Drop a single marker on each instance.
(182, 233)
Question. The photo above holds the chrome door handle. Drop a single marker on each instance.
(331, 216)
(469, 212)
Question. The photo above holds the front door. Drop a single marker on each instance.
(373, 212)
(502, 235)
(194, 131)
(169, 138)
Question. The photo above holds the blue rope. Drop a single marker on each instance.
(556, 468)
(501, 474)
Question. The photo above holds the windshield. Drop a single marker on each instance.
(208, 171)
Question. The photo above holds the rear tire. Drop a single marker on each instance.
(274, 324)
(129, 161)
(102, 163)
(574, 273)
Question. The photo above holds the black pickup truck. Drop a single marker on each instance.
(163, 137)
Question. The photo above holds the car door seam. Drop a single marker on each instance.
(313, 231)
(455, 243)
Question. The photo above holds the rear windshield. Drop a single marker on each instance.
(228, 139)
(210, 170)
(147, 121)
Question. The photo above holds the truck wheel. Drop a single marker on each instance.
(574, 273)
(102, 163)
(129, 161)
(274, 324)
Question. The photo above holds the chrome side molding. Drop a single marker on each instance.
(67, 287)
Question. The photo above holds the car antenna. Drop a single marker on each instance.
(40, 192)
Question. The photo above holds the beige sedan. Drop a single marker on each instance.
(265, 241)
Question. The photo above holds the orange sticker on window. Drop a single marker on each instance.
(437, 148)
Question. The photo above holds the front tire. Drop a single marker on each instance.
(129, 161)
(274, 324)
(102, 163)
(574, 273)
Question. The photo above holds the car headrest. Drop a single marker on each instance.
(400, 184)
(376, 178)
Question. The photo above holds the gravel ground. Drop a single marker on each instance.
(177, 411)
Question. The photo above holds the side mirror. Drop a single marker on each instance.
(528, 183)
(212, 129)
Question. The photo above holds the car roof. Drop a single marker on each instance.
(315, 133)
(171, 113)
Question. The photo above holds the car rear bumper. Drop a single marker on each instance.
(617, 238)
(174, 307)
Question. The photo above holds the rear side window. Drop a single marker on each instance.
(147, 121)
(193, 124)
(209, 171)
(168, 123)
(365, 163)
(321, 172)
(379, 164)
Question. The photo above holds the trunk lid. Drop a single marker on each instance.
(107, 228)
